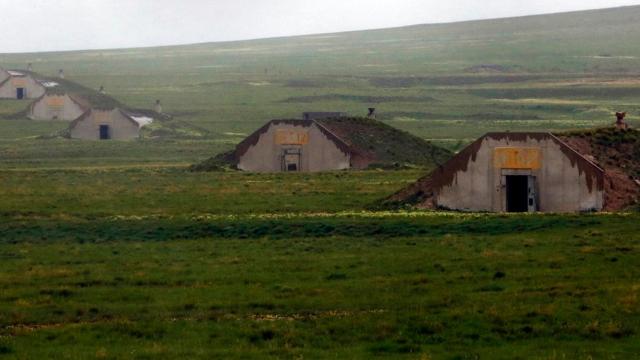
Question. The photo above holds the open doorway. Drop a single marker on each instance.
(291, 160)
(20, 93)
(517, 193)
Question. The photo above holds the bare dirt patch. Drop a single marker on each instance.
(618, 153)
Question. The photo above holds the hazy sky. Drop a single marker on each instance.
(42, 25)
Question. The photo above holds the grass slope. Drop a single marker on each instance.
(448, 83)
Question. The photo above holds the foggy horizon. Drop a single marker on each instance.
(119, 24)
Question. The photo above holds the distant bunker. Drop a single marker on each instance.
(56, 107)
(20, 85)
(114, 124)
(294, 145)
(93, 115)
(328, 144)
(512, 172)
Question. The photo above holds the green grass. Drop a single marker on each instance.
(116, 250)
(557, 72)
(563, 286)
(159, 262)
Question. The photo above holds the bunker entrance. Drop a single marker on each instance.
(291, 160)
(104, 132)
(517, 193)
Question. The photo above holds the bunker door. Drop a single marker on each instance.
(517, 193)
(104, 132)
(532, 203)
(291, 159)
(521, 193)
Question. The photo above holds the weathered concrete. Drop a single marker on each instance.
(4, 75)
(475, 180)
(32, 89)
(121, 126)
(302, 143)
(56, 107)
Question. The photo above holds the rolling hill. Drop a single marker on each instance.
(448, 83)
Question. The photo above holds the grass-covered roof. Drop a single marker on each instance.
(370, 142)
(85, 95)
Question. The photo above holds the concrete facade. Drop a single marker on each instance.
(560, 179)
(292, 145)
(55, 107)
(4, 75)
(115, 124)
(22, 84)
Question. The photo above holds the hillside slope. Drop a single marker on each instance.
(446, 83)
(567, 41)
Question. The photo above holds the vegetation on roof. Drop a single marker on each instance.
(383, 146)
(94, 98)
(616, 151)
(613, 147)
(386, 145)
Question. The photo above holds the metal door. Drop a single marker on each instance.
(532, 202)
(104, 132)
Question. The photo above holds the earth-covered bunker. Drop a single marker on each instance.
(512, 172)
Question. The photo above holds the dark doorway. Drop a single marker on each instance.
(517, 193)
(20, 93)
(291, 159)
(104, 132)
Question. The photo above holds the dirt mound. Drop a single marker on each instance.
(380, 145)
(618, 153)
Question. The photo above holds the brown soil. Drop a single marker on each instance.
(618, 156)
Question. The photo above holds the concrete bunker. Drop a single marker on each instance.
(512, 172)
(107, 124)
(20, 85)
(326, 144)
(53, 106)
(292, 146)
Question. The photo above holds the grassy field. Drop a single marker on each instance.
(450, 83)
(157, 262)
(322, 286)
(116, 250)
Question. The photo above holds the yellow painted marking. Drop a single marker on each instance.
(19, 82)
(517, 158)
(56, 102)
(292, 137)
(101, 116)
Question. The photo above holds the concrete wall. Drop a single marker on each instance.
(3, 75)
(560, 183)
(121, 127)
(318, 153)
(33, 89)
(55, 107)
